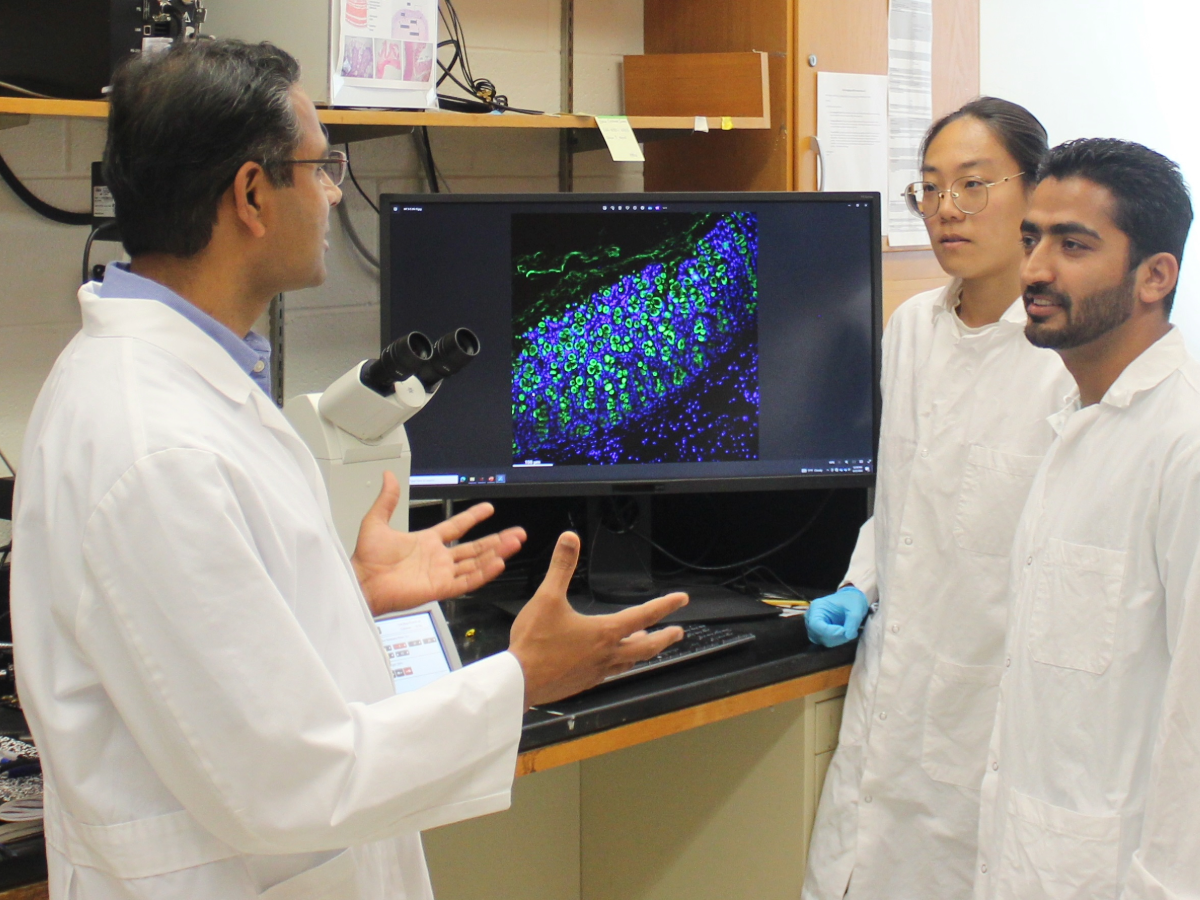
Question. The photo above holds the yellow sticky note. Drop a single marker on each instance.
(727, 123)
(622, 142)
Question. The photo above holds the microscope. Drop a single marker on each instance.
(355, 428)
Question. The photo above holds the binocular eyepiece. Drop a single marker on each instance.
(415, 354)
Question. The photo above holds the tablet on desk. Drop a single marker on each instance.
(419, 646)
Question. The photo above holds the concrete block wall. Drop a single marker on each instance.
(515, 44)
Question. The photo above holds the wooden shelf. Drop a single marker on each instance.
(386, 119)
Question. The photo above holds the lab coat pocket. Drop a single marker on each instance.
(1073, 622)
(959, 711)
(993, 492)
(1057, 853)
(333, 879)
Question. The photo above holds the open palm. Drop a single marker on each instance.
(402, 569)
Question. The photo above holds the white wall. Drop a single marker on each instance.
(329, 328)
(1106, 68)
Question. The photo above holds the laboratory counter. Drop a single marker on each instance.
(781, 654)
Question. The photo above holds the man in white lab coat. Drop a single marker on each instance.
(197, 656)
(965, 401)
(1092, 786)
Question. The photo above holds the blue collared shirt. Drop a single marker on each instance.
(252, 353)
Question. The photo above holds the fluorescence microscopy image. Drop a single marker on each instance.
(635, 338)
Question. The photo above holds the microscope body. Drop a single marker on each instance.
(355, 428)
(356, 435)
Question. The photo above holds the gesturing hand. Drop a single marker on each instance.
(563, 652)
(402, 569)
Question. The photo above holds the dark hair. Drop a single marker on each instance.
(181, 125)
(1016, 128)
(1152, 204)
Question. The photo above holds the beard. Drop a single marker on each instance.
(1088, 318)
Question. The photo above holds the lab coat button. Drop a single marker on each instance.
(895, 629)
(1007, 661)
(924, 452)
(995, 767)
(983, 868)
(867, 798)
(883, 717)
(1029, 561)
(259, 366)
(908, 542)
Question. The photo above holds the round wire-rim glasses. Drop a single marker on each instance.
(333, 167)
(969, 194)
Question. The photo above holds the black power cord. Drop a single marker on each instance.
(37, 204)
(99, 233)
(354, 180)
(731, 566)
(482, 91)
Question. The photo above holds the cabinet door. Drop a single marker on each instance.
(732, 160)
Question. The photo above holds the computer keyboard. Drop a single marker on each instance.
(698, 640)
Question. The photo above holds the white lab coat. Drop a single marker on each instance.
(1093, 779)
(963, 430)
(200, 671)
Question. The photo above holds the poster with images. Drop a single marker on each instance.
(388, 43)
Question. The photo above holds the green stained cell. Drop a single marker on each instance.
(577, 382)
(540, 414)
(654, 306)
(678, 376)
(700, 331)
(608, 387)
(605, 330)
(593, 368)
(589, 403)
(641, 364)
(666, 353)
(523, 408)
(698, 357)
(615, 343)
(609, 360)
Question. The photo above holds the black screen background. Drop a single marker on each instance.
(448, 266)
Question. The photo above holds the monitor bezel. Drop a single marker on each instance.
(610, 486)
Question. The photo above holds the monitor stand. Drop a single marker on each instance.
(619, 570)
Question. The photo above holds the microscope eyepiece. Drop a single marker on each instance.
(450, 354)
(402, 358)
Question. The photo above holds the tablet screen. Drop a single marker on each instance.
(414, 651)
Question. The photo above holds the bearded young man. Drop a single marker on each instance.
(1093, 773)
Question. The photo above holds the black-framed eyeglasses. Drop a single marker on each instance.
(333, 167)
(969, 194)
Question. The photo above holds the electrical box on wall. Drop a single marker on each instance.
(321, 34)
(70, 48)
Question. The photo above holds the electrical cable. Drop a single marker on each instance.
(350, 172)
(481, 89)
(421, 135)
(24, 92)
(37, 204)
(352, 233)
(97, 233)
(726, 567)
(8, 465)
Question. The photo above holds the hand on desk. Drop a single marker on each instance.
(835, 620)
(402, 569)
(563, 652)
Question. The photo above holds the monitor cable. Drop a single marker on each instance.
(757, 558)
(37, 204)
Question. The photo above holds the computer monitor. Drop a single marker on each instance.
(641, 342)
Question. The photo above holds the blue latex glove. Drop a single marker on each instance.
(836, 619)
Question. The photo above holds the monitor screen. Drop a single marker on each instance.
(641, 342)
(414, 650)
